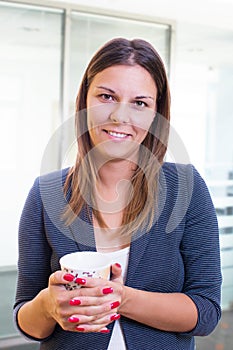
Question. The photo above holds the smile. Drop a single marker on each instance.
(120, 135)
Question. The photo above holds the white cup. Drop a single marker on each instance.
(85, 264)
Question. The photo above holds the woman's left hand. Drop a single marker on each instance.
(96, 303)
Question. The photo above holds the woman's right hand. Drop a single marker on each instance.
(91, 306)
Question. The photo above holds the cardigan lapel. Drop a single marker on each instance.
(137, 248)
(83, 232)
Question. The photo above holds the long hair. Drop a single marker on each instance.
(140, 211)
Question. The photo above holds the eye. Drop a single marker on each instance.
(106, 97)
(140, 104)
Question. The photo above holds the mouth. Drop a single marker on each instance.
(119, 135)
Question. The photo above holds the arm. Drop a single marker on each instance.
(42, 301)
(33, 318)
(34, 252)
(55, 304)
(174, 312)
(196, 310)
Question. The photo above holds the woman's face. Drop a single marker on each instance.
(121, 106)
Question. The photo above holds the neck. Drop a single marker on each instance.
(114, 188)
(112, 172)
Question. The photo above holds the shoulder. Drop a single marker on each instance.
(58, 176)
(176, 173)
(47, 192)
(183, 180)
(181, 172)
(186, 181)
(186, 194)
(174, 169)
(49, 184)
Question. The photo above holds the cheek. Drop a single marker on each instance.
(90, 119)
(98, 115)
(94, 119)
(144, 120)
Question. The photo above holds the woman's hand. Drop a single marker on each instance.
(87, 309)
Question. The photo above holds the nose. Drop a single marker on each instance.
(120, 113)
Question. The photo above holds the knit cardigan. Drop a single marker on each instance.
(180, 253)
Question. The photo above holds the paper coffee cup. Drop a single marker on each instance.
(85, 264)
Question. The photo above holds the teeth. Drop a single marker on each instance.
(116, 134)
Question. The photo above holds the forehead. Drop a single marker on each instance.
(125, 76)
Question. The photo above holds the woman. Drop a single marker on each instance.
(155, 219)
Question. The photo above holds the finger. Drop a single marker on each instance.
(116, 273)
(91, 282)
(93, 320)
(57, 278)
(82, 319)
(98, 291)
(100, 327)
(116, 270)
(86, 328)
(104, 330)
(92, 306)
(87, 301)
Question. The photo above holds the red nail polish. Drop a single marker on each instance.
(107, 290)
(68, 277)
(115, 317)
(104, 331)
(81, 281)
(73, 319)
(115, 304)
(118, 265)
(80, 329)
(75, 302)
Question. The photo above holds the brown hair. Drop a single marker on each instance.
(140, 212)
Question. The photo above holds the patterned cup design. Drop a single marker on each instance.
(85, 264)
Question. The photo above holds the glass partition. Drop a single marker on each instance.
(30, 66)
(89, 32)
(203, 117)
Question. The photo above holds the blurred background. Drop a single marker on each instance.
(45, 46)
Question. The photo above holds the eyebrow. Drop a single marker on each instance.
(113, 92)
(141, 97)
(106, 88)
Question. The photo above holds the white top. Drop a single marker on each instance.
(117, 341)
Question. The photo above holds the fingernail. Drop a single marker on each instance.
(75, 302)
(115, 304)
(104, 331)
(68, 277)
(118, 265)
(73, 319)
(81, 281)
(80, 329)
(115, 317)
(107, 290)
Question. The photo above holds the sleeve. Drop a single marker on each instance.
(201, 254)
(34, 251)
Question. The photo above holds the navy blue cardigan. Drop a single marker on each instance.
(179, 254)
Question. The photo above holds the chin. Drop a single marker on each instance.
(117, 153)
